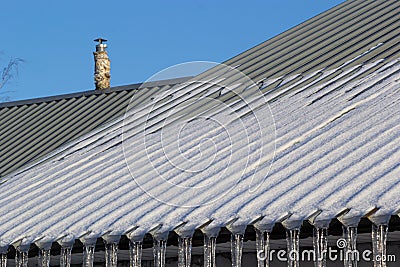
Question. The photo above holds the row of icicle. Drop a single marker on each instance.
(320, 242)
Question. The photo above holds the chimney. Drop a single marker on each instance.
(102, 65)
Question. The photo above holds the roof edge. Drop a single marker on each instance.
(95, 92)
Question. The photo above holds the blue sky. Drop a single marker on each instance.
(55, 37)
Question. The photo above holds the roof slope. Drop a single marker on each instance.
(30, 129)
(369, 29)
(329, 141)
(336, 148)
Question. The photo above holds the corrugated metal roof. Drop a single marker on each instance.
(330, 40)
(332, 86)
(332, 152)
(327, 41)
(32, 128)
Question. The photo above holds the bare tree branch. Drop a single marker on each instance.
(9, 72)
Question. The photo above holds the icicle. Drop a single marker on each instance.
(351, 255)
(379, 236)
(21, 258)
(262, 245)
(209, 251)
(44, 257)
(111, 254)
(3, 260)
(375, 244)
(320, 243)
(159, 249)
(65, 257)
(292, 239)
(184, 251)
(88, 255)
(135, 253)
(236, 249)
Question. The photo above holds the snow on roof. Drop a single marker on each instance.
(30, 129)
(193, 158)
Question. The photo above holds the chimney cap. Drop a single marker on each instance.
(100, 40)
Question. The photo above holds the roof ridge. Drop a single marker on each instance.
(95, 92)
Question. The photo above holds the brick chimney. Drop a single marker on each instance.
(102, 65)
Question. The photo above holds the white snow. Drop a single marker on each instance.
(194, 159)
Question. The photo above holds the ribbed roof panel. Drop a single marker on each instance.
(31, 129)
(331, 85)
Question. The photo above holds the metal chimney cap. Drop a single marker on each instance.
(100, 47)
(100, 40)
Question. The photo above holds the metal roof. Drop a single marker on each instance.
(333, 147)
(32, 128)
(369, 29)
(332, 86)
(327, 41)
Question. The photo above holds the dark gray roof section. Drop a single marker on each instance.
(351, 34)
(95, 92)
(32, 128)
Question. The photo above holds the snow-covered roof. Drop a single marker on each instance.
(204, 155)
(310, 130)
(30, 129)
